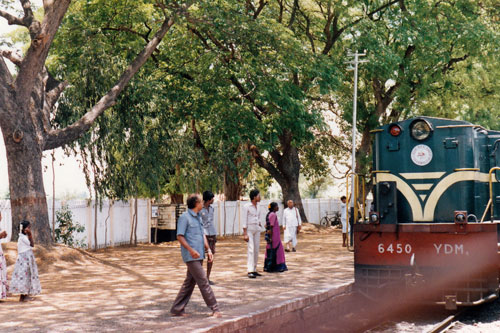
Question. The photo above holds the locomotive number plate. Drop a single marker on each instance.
(394, 248)
(421, 155)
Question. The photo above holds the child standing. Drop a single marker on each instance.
(3, 268)
(25, 276)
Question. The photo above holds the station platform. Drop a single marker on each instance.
(131, 289)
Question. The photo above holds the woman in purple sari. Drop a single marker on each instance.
(275, 255)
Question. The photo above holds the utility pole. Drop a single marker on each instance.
(354, 62)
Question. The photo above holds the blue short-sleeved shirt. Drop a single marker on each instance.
(189, 225)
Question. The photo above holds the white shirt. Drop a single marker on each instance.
(251, 217)
(291, 217)
(343, 212)
(23, 243)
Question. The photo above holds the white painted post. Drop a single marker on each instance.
(149, 220)
(111, 229)
(89, 225)
(239, 216)
(219, 218)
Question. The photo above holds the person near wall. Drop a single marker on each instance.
(207, 218)
(275, 255)
(25, 279)
(292, 225)
(193, 241)
(3, 268)
(251, 233)
(343, 219)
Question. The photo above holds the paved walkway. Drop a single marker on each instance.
(131, 289)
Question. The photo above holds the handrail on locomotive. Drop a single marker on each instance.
(355, 200)
(489, 205)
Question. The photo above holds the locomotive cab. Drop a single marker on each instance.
(435, 208)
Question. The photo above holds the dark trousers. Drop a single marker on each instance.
(195, 276)
(211, 244)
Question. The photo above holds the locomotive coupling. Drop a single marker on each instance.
(460, 217)
(374, 218)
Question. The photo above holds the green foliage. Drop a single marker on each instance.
(67, 228)
(314, 186)
(228, 77)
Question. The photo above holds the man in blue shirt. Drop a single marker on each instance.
(191, 236)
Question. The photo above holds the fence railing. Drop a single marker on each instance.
(114, 219)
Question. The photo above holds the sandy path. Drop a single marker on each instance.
(131, 289)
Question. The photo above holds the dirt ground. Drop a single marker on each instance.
(131, 289)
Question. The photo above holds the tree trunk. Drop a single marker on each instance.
(27, 194)
(232, 186)
(285, 169)
(177, 198)
(290, 190)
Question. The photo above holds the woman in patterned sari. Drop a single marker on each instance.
(25, 279)
(275, 255)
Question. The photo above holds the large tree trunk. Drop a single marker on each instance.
(232, 186)
(27, 193)
(285, 169)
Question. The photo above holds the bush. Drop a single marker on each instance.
(66, 228)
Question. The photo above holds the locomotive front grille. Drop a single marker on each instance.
(379, 281)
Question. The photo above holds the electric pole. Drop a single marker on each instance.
(356, 61)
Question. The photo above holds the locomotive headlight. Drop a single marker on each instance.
(420, 129)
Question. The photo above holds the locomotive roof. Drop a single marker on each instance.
(436, 121)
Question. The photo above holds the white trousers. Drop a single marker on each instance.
(344, 225)
(253, 250)
(291, 235)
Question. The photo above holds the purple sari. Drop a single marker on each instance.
(275, 254)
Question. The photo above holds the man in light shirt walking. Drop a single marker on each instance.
(251, 233)
(207, 219)
(291, 224)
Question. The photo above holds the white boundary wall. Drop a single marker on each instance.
(114, 224)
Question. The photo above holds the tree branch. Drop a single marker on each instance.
(293, 14)
(8, 54)
(11, 19)
(453, 61)
(34, 61)
(262, 4)
(263, 163)
(337, 32)
(57, 138)
(248, 97)
(199, 143)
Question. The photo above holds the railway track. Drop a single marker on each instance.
(448, 323)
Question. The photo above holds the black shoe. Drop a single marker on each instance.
(252, 275)
(211, 283)
(293, 250)
(287, 250)
(257, 274)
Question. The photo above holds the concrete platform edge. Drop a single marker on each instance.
(278, 315)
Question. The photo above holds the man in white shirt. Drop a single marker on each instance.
(251, 233)
(291, 224)
(343, 220)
